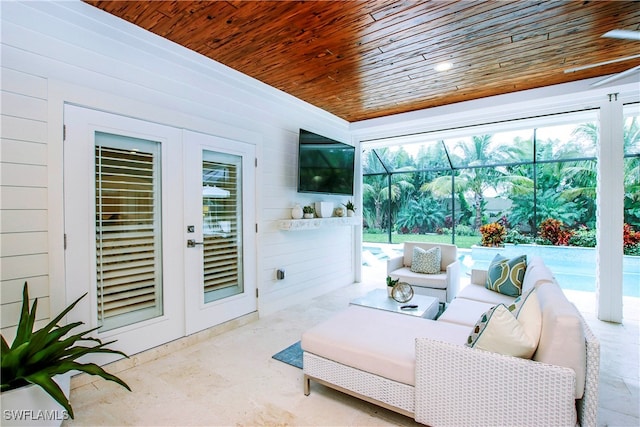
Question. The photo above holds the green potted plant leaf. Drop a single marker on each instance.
(351, 209)
(36, 357)
(308, 212)
(390, 284)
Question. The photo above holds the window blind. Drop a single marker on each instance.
(127, 230)
(222, 261)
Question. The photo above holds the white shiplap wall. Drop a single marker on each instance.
(56, 52)
(23, 197)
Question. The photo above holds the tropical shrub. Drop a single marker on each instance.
(493, 234)
(632, 250)
(376, 231)
(445, 231)
(515, 237)
(555, 232)
(584, 237)
(421, 216)
(632, 205)
(465, 230)
(631, 240)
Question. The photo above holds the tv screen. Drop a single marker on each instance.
(324, 165)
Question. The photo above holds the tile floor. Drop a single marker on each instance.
(230, 379)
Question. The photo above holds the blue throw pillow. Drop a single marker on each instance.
(506, 275)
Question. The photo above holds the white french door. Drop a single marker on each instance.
(219, 231)
(159, 225)
(120, 227)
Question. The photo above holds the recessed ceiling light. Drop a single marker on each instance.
(443, 66)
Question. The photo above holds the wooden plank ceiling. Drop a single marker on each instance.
(365, 59)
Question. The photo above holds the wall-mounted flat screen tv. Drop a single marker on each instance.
(324, 165)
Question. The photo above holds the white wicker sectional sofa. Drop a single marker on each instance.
(421, 368)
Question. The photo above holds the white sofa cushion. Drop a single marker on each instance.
(537, 273)
(477, 292)
(377, 341)
(464, 312)
(562, 339)
(437, 281)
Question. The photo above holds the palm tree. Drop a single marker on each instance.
(473, 179)
(587, 181)
(376, 188)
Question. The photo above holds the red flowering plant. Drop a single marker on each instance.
(493, 234)
(555, 232)
(630, 237)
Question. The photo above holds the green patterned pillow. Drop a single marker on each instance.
(427, 262)
(506, 275)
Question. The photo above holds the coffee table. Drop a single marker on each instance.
(378, 298)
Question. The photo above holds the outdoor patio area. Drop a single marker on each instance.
(228, 377)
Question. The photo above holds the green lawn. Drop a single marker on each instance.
(461, 241)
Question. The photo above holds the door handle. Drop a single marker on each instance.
(192, 243)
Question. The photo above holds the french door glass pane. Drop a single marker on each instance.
(128, 239)
(222, 225)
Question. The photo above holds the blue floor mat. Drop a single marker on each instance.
(291, 355)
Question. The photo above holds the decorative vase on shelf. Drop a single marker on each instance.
(339, 212)
(350, 212)
(296, 212)
(324, 209)
(308, 216)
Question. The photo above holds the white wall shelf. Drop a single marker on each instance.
(314, 223)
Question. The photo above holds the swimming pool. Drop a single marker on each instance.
(573, 267)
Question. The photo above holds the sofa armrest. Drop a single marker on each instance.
(394, 263)
(588, 405)
(461, 386)
(479, 277)
(453, 278)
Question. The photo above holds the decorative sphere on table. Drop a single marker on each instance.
(402, 292)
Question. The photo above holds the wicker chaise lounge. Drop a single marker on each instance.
(423, 369)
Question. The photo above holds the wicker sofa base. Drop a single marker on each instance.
(389, 394)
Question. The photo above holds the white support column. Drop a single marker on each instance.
(357, 200)
(610, 205)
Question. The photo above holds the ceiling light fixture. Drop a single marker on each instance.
(623, 34)
(443, 66)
